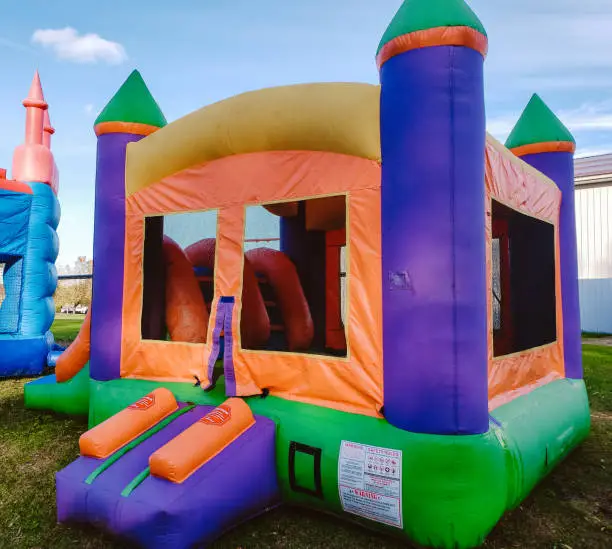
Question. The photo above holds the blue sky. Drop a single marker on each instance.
(194, 52)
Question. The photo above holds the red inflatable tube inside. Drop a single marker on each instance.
(186, 313)
(335, 337)
(255, 322)
(282, 276)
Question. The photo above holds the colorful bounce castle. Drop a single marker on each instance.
(29, 215)
(409, 357)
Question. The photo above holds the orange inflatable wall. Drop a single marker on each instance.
(518, 186)
(229, 185)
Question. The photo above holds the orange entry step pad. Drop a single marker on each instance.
(199, 443)
(117, 431)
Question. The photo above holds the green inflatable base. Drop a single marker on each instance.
(454, 489)
(70, 397)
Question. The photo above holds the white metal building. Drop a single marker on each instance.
(594, 231)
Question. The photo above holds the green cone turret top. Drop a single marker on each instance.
(133, 103)
(538, 124)
(416, 15)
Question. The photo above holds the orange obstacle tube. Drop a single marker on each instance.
(282, 276)
(186, 313)
(73, 359)
(110, 435)
(187, 452)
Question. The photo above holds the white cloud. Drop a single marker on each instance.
(68, 44)
(501, 126)
(559, 45)
(588, 117)
(594, 116)
(550, 47)
(595, 151)
(5, 42)
(91, 110)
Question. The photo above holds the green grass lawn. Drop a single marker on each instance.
(66, 327)
(572, 508)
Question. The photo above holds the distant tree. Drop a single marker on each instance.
(74, 292)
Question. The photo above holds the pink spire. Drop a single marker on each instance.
(35, 105)
(33, 161)
(48, 130)
(35, 95)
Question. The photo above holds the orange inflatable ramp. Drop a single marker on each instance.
(195, 446)
(73, 359)
(120, 429)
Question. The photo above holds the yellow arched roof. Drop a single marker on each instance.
(333, 117)
(342, 118)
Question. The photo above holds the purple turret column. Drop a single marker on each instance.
(433, 219)
(541, 140)
(130, 115)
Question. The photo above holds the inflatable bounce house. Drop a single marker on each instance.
(408, 358)
(29, 215)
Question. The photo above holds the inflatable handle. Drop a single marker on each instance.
(195, 446)
(52, 358)
(120, 429)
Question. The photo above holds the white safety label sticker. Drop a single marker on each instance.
(370, 482)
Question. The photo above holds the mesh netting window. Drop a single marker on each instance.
(295, 279)
(523, 281)
(497, 290)
(343, 288)
(10, 293)
(2, 292)
(262, 229)
(179, 260)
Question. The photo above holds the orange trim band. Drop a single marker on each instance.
(124, 127)
(15, 186)
(439, 36)
(550, 146)
(35, 103)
